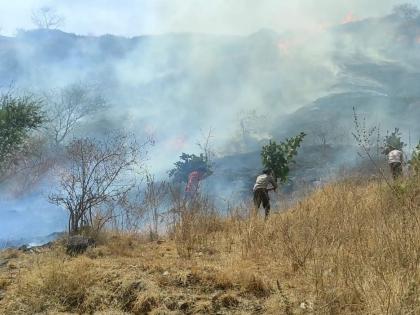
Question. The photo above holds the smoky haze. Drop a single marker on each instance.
(246, 71)
(239, 17)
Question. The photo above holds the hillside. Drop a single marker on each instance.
(349, 248)
(246, 89)
(371, 64)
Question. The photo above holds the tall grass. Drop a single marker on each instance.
(349, 248)
(352, 247)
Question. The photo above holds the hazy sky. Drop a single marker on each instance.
(136, 17)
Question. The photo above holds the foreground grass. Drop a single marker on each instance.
(350, 248)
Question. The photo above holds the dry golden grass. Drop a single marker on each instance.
(350, 248)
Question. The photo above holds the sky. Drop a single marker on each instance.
(139, 17)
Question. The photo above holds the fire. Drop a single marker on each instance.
(177, 143)
(285, 46)
(350, 17)
(320, 27)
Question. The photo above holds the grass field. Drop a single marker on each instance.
(350, 248)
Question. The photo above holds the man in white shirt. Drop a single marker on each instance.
(395, 160)
(261, 189)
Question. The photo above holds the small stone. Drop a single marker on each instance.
(183, 306)
(306, 306)
(24, 248)
(78, 244)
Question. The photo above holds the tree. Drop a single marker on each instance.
(153, 197)
(393, 141)
(96, 177)
(367, 138)
(415, 160)
(187, 164)
(191, 162)
(18, 117)
(407, 11)
(278, 157)
(68, 106)
(47, 18)
(325, 133)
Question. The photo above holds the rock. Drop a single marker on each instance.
(306, 306)
(24, 248)
(184, 306)
(46, 245)
(78, 244)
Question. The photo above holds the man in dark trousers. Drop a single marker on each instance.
(261, 189)
(395, 160)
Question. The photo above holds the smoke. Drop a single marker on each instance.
(239, 17)
(246, 70)
(29, 216)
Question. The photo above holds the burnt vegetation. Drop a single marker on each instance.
(340, 240)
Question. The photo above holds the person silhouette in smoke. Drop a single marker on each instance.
(193, 185)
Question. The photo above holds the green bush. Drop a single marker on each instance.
(278, 157)
(189, 163)
(18, 116)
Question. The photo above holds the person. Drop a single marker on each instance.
(395, 160)
(193, 183)
(261, 189)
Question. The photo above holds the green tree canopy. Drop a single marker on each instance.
(189, 163)
(18, 116)
(393, 141)
(278, 157)
(415, 160)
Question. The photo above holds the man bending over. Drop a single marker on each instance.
(261, 189)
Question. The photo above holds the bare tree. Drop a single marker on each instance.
(327, 133)
(68, 106)
(154, 196)
(205, 145)
(132, 211)
(47, 18)
(98, 175)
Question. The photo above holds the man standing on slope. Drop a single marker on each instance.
(395, 160)
(261, 190)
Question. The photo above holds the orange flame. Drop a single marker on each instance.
(350, 17)
(285, 46)
(177, 143)
(320, 27)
